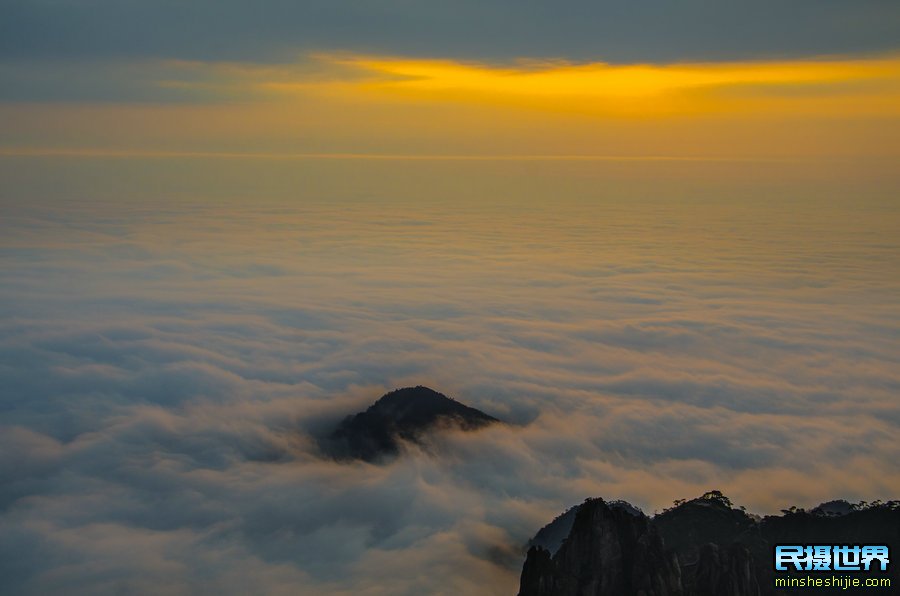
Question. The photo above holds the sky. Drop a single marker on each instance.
(762, 80)
(659, 240)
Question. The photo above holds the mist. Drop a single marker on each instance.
(171, 345)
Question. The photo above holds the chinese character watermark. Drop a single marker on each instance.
(831, 557)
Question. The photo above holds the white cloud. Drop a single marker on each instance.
(165, 365)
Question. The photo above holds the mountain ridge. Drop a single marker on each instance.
(698, 547)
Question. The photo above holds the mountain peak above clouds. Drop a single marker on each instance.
(405, 414)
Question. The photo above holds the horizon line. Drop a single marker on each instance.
(163, 154)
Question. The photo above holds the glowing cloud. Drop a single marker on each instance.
(348, 104)
(634, 90)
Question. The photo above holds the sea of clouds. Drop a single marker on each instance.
(166, 360)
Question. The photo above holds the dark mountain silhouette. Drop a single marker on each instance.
(701, 547)
(609, 550)
(551, 536)
(402, 415)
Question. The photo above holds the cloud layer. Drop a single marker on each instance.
(615, 31)
(166, 356)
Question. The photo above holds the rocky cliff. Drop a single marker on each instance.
(701, 547)
(609, 550)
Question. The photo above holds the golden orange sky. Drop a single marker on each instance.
(382, 105)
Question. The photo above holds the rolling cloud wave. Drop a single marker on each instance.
(166, 365)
